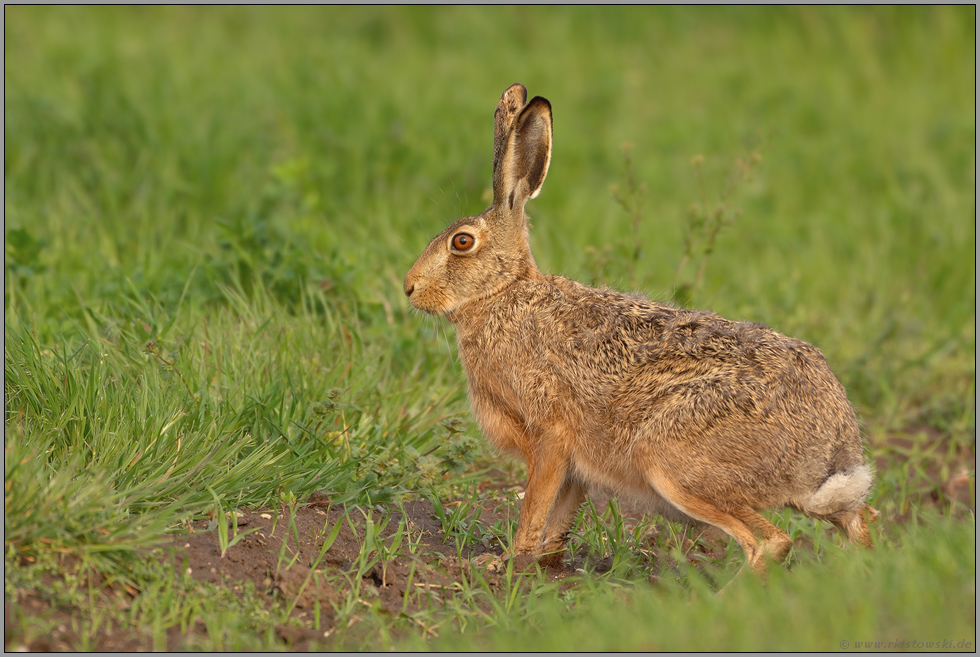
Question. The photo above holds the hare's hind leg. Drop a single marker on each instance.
(742, 524)
(854, 523)
(775, 542)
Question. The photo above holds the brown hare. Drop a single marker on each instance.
(684, 411)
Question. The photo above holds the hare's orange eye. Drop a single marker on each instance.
(463, 241)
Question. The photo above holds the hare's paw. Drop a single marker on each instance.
(554, 560)
(521, 563)
(491, 562)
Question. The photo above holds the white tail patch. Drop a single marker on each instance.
(843, 490)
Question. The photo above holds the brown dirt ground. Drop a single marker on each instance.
(284, 575)
(255, 561)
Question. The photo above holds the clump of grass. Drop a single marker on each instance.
(228, 411)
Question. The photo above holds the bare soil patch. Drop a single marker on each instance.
(275, 565)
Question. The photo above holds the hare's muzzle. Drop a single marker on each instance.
(419, 293)
(411, 286)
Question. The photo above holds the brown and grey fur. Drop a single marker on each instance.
(693, 414)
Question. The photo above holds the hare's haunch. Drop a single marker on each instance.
(693, 414)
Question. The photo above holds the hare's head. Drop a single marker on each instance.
(477, 257)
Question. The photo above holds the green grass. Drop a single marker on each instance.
(208, 213)
(867, 598)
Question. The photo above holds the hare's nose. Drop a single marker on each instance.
(409, 288)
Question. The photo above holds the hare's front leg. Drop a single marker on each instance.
(570, 498)
(548, 463)
(547, 470)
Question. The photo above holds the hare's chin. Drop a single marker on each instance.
(438, 312)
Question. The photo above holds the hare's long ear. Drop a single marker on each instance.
(521, 165)
(510, 105)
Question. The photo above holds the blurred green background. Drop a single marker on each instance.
(332, 142)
